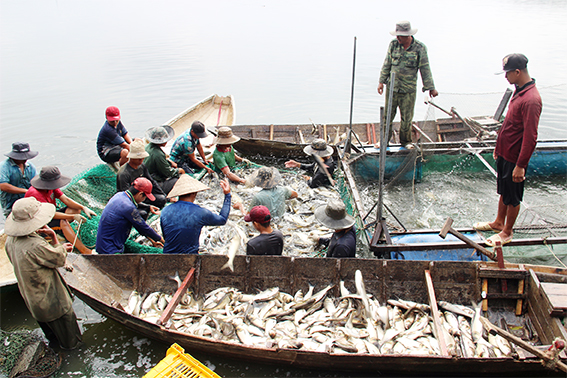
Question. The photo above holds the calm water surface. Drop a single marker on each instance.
(63, 62)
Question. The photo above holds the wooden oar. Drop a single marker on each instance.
(522, 344)
(322, 166)
(176, 298)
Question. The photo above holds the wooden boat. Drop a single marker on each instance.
(7, 276)
(535, 297)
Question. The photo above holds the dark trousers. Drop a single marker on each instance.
(64, 331)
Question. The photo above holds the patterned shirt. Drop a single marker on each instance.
(11, 174)
(406, 63)
(184, 146)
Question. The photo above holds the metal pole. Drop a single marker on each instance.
(348, 141)
(384, 133)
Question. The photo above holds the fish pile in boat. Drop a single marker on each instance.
(352, 323)
(298, 224)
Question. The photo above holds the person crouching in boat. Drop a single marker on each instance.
(113, 142)
(35, 262)
(224, 156)
(318, 148)
(16, 173)
(272, 195)
(120, 214)
(343, 241)
(183, 149)
(270, 241)
(136, 168)
(46, 188)
(163, 170)
(182, 221)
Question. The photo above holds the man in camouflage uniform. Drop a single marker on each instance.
(405, 56)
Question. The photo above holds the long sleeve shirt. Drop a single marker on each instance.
(517, 137)
(319, 177)
(182, 221)
(116, 221)
(406, 63)
(158, 165)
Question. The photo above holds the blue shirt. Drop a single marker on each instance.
(184, 146)
(182, 221)
(116, 221)
(109, 137)
(10, 173)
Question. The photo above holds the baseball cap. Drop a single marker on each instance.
(145, 186)
(199, 129)
(514, 62)
(259, 214)
(112, 113)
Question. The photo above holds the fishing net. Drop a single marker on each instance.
(25, 354)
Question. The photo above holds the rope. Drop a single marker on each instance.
(553, 253)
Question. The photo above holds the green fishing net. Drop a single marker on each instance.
(23, 353)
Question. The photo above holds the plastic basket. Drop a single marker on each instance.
(179, 364)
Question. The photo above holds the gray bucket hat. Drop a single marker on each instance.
(334, 215)
(160, 134)
(318, 147)
(50, 178)
(225, 136)
(266, 177)
(21, 151)
(403, 28)
(28, 214)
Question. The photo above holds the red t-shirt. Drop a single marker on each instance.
(41, 195)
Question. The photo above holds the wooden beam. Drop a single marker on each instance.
(176, 298)
(435, 312)
(272, 132)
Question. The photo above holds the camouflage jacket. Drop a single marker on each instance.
(405, 64)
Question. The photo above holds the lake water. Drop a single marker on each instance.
(63, 62)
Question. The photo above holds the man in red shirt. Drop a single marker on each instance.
(514, 147)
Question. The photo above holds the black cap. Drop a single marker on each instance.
(514, 62)
(199, 129)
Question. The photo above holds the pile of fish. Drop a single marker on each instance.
(298, 224)
(352, 323)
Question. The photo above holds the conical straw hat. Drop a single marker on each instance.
(186, 185)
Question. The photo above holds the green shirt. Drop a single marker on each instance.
(158, 165)
(224, 159)
(406, 63)
(273, 199)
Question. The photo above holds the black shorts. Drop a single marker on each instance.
(112, 155)
(512, 192)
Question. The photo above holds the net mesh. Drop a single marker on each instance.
(24, 354)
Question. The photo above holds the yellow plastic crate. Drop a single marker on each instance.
(179, 364)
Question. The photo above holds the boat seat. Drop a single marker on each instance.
(504, 275)
(556, 297)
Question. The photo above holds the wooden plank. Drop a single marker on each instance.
(271, 132)
(176, 298)
(512, 274)
(354, 191)
(435, 312)
(521, 343)
(556, 295)
(484, 296)
(519, 303)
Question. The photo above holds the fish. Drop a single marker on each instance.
(476, 326)
(234, 246)
(133, 306)
(457, 309)
(361, 290)
(176, 279)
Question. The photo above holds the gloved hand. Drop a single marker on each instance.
(88, 212)
(79, 218)
(246, 161)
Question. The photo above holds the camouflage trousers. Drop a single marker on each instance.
(406, 103)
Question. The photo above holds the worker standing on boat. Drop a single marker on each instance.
(120, 214)
(113, 142)
(35, 262)
(15, 175)
(182, 221)
(343, 241)
(270, 241)
(405, 57)
(272, 195)
(320, 178)
(163, 170)
(46, 188)
(183, 150)
(224, 156)
(136, 168)
(515, 145)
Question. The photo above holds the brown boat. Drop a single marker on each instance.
(534, 301)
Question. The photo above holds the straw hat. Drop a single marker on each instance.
(186, 185)
(50, 178)
(403, 28)
(160, 134)
(318, 147)
(21, 151)
(334, 215)
(137, 150)
(266, 177)
(225, 136)
(28, 215)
